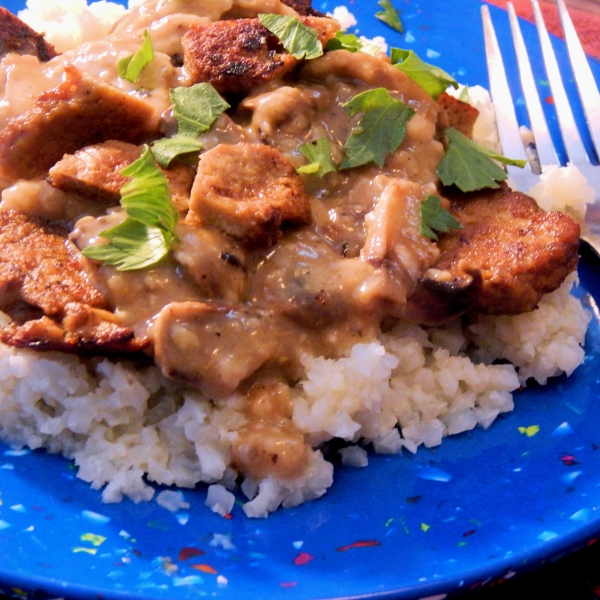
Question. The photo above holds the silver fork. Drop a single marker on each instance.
(508, 128)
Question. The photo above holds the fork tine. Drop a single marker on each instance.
(566, 120)
(537, 120)
(586, 84)
(506, 118)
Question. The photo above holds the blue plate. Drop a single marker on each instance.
(483, 506)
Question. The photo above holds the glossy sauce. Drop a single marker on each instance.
(227, 317)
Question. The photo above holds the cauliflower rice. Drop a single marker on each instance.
(124, 426)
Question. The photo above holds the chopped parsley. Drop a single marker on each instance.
(344, 41)
(469, 166)
(381, 129)
(318, 153)
(167, 149)
(196, 109)
(350, 42)
(464, 94)
(297, 38)
(131, 67)
(432, 79)
(436, 218)
(389, 15)
(146, 234)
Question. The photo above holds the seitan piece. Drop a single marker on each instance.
(249, 191)
(234, 56)
(237, 56)
(457, 114)
(93, 334)
(18, 37)
(79, 112)
(46, 291)
(94, 173)
(520, 251)
(39, 267)
(303, 7)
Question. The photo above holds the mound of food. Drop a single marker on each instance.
(231, 235)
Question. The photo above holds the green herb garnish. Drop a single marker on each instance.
(389, 15)
(131, 67)
(469, 166)
(350, 42)
(146, 235)
(436, 218)
(196, 109)
(381, 129)
(166, 149)
(432, 79)
(132, 246)
(344, 41)
(464, 94)
(318, 153)
(297, 38)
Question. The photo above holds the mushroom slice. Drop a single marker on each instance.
(213, 346)
(441, 296)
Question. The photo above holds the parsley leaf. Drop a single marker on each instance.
(389, 15)
(166, 149)
(515, 162)
(145, 236)
(318, 154)
(436, 218)
(132, 246)
(379, 132)
(196, 109)
(350, 42)
(344, 41)
(469, 166)
(297, 38)
(131, 67)
(432, 79)
(464, 94)
(146, 198)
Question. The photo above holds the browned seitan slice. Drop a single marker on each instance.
(94, 173)
(237, 56)
(303, 7)
(234, 56)
(457, 114)
(39, 267)
(46, 291)
(92, 334)
(520, 251)
(18, 37)
(248, 191)
(79, 112)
